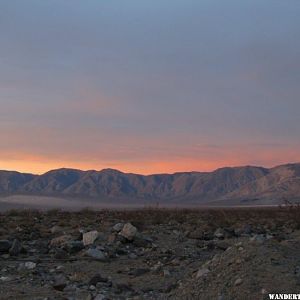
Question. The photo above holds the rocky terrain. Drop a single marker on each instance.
(226, 186)
(150, 254)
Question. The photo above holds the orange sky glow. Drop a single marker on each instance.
(39, 165)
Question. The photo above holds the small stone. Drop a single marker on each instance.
(142, 242)
(202, 273)
(222, 245)
(29, 265)
(5, 246)
(74, 246)
(167, 273)
(16, 248)
(4, 278)
(196, 235)
(128, 231)
(122, 287)
(60, 283)
(97, 278)
(157, 267)
(100, 297)
(56, 229)
(60, 254)
(247, 229)
(219, 233)
(112, 238)
(169, 287)
(258, 238)
(90, 237)
(132, 256)
(60, 241)
(263, 291)
(238, 261)
(139, 272)
(239, 281)
(96, 254)
(118, 227)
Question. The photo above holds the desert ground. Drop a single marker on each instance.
(150, 253)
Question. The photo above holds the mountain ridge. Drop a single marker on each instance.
(245, 183)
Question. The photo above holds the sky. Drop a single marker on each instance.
(153, 86)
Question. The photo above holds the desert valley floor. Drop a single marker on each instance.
(149, 254)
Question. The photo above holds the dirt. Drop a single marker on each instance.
(164, 254)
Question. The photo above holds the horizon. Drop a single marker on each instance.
(149, 174)
(102, 85)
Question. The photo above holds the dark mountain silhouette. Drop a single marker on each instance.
(11, 181)
(238, 184)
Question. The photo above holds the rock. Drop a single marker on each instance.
(139, 272)
(16, 248)
(60, 241)
(118, 227)
(297, 271)
(129, 231)
(219, 233)
(222, 245)
(5, 278)
(196, 235)
(157, 267)
(97, 278)
(166, 273)
(73, 247)
(169, 287)
(122, 287)
(60, 254)
(132, 256)
(247, 229)
(56, 229)
(29, 265)
(5, 246)
(96, 254)
(60, 282)
(142, 242)
(202, 273)
(239, 281)
(258, 238)
(90, 237)
(100, 297)
(112, 238)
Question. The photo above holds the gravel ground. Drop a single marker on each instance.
(149, 254)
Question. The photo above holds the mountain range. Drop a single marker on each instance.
(226, 186)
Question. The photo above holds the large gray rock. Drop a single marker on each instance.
(90, 237)
(128, 231)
